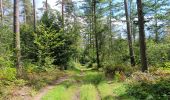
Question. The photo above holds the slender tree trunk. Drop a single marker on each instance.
(1, 11)
(110, 24)
(134, 33)
(131, 20)
(156, 25)
(25, 17)
(34, 14)
(132, 59)
(46, 5)
(110, 30)
(17, 37)
(27, 11)
(156, 31)
(96, 35)
(93, 35)
(142, 36)
(62, 11)
(90, 33)
(110, 17)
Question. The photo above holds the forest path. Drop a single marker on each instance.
(45, 90)
(77, 86)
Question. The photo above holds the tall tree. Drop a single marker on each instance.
(62, 11)
(142, 36)
(110, 23)
(7, 12)
(132, 59)
(34, 14)
(133, 15)
(46, 5)
(1, 11)
(96, 35)
(28, 11)
(17, 37)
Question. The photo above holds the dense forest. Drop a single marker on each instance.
(85, 50)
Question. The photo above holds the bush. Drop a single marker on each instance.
(157, 91)
(110, 70)
(5, 62)
(150, 86)
(93, 78)
(8, 73)
(158, 53)
(166, 65)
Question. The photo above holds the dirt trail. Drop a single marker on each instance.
(45, 90)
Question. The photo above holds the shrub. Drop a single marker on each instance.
(157, 52)
(144, 90)
(110, 70)
(166, 65)
(8, 73)
(5, 62)
(93, 78)
(150, 86)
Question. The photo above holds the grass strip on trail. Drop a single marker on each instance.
(61, 92)
(88, 92)
(106, 91)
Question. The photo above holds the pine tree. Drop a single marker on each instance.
(129, 34)
(1, 11)
(34, 14)
(17, 37)
(28, 11)
(142, 36)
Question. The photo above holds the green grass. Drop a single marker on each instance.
(106, 91)
(88, 92)
(89, 86)
(113, 91)
(55, 94)
(119, 89)
(79, 67)
(61, 92)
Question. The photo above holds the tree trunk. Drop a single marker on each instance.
(142, 36)
(34, 14)
(62, 11)
(132, 59)
(46, 5)
(28, 11)
(96, 36)
(1, 11)
(17, 37)
(110, 26)
(156, 24)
